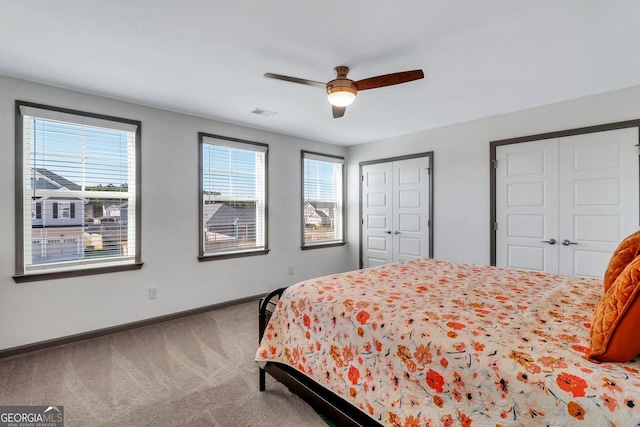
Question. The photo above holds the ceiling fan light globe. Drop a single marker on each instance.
(341, 98)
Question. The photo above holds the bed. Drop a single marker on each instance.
(437, 343)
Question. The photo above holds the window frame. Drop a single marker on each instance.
(252, 146)
(331, 158)
(21, 275)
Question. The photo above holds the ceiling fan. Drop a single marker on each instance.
(342, 91)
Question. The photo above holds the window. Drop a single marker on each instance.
(71, 168)
(63, 210)
(233, 188)
(322, 201)
(38, 211)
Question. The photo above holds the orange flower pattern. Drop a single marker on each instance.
(431, 342)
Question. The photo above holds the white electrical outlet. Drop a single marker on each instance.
(153, 293)
(291, 271)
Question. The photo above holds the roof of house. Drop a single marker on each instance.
(218, 214)
(53, 181)
(320, 208)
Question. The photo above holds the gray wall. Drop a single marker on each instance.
(37, 311)
(461, 165)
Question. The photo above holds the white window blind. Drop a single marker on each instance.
(233, 196)
(78, 191)
(322, 204)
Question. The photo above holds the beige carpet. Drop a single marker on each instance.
(194, 371)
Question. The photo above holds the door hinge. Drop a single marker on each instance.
(495, 226)
(361, 221)
(428, 171)
(362, 178)
(495, 163)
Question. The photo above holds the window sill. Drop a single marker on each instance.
(24, 278)
(213, 257)
(323, 245)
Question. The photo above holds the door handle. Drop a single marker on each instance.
(387, 231)
(396, 232)
(550, 241)
(568, 242)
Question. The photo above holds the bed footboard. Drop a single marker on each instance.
(266, 307)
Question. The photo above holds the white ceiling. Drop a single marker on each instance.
(207, 57)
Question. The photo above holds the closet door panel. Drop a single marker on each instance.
(377, 214)
(527, 205)
(411, 208)
(598, 190)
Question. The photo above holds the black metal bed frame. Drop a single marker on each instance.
(332, 406)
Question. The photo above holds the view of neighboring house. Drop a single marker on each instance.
(226, 225)
(319, 214)
(60, 231)
(56, 222)
(118, 211)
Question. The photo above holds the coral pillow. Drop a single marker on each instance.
(614, 328)
(626, 251)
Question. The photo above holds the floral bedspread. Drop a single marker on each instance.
(435, 343)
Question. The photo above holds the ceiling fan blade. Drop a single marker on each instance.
(295, 80)
(338, 111)
(389, 79)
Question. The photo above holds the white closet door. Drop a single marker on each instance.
(564, 204)
(598, 198)
(377, 214)
(527, 205)
(395, 211)
(410, 209)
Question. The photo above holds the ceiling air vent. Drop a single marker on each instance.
(262, 112)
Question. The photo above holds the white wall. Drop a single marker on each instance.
(461, 165)
(36, 311)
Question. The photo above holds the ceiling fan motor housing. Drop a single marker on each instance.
(341, 91)
(341, 85)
